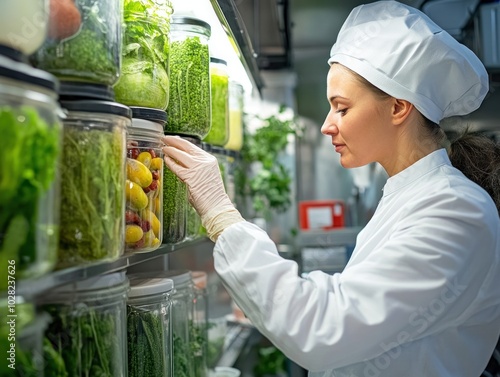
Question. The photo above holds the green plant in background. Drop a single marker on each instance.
(261, 177)
(271, 362)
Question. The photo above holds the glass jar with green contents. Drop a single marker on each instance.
(30, 146)
(93, 182)
(189, 108)
(145, 55)
(199, 326)
(88, 327)
(144, 184)
(193, 220)
(182, 310)
(148, 326)
(219, 89)
(235, 141)
(21, 339)
(175, 208)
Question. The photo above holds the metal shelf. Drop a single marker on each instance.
(233, 25)
(32, 287)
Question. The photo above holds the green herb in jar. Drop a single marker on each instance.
(198, 344)
(92, 195)
(88, 340)
(146, 347)
(189, 108)
(144, 75)
(93, 53)
(29, 151)
(219, 86)
(181, 356)
(174, 208)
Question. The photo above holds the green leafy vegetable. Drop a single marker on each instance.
(175, 204)
(181, 356)
(54, 363)
(219, 87)
(144, 76)
(89, 341)
(93, 53)
(29, 150)
(189, 108)
(92, 194)
(147, 348)
(198, 343)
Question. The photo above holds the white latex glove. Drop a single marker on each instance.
(199, 170)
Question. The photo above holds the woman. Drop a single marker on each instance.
(420, 295)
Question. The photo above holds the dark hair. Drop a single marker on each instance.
(478, 157)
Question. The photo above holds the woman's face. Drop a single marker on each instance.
(358, 122)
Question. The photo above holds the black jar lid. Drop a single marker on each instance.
(73, 90)
(13, 54)
(24, 73)
(94, 106)
(191, 21)
(215, 149)
(217, 60)
(153, 115)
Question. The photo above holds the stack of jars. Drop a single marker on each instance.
(235, 141)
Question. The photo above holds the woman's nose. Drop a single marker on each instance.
(329, 127)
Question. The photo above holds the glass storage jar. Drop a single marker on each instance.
(189, 109)
(84, 41)
(93, 182)
(219, 90)
(193, 220)
(149, 327)
(220, 154)
(144, 186)
(30, 145)
(88, 328)
(145, 55)
(235, 141)
(182, 311)
(199, 328)
(21, 338)
(175, 208)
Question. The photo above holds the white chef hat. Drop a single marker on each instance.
(403, 52)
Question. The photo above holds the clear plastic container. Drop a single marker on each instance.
(145, 65)
(30, 146)
(182, 311)
(199, 327)
(88, 328)
(235, 141)
(21, 339)
(144, 186)
(175, 208)
(93, 182)
(193, 220)
(189, 109)
(149, 326)
(85, 41)
(219, 89)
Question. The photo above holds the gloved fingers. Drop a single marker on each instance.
(180, 143)
(179, 156)
(175, 167)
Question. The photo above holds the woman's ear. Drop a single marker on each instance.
(401, 110)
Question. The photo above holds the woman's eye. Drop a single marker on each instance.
(341, 111)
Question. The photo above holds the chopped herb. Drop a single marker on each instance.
(189, 108)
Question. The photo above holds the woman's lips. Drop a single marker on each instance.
(338, 147)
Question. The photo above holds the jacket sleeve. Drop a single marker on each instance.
(423, 278)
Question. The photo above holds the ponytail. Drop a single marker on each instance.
(478, 157)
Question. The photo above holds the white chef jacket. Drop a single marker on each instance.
(420, 296)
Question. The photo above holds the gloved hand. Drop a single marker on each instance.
(199, 170)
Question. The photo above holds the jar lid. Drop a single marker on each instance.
(95, 106)
(217, 60)
(218, 150)
(95, 283)
(191, 21)
(70, 90)
(153, 115)
(179, 277)
(13, 54)
(206, 147)
(25, 73)
(143, 284)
